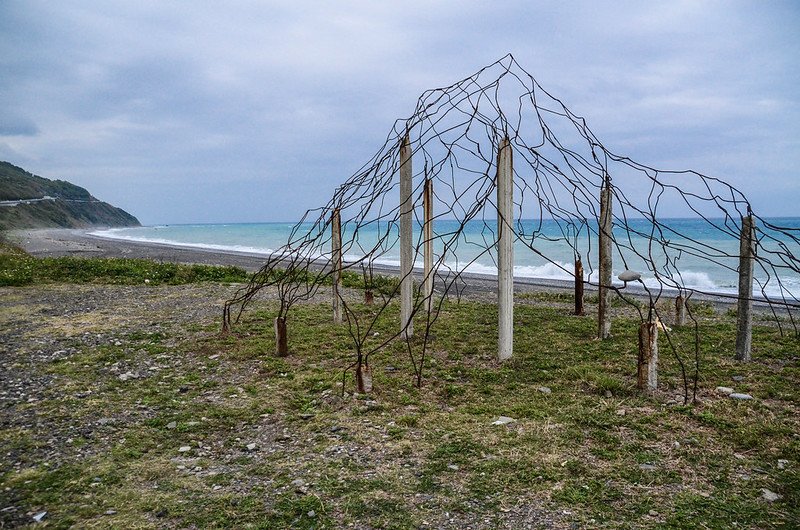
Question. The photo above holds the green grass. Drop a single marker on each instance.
(17, 268)
(593, 452)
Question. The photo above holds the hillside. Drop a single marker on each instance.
(30, 201)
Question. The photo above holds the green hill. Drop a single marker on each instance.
(30, 201)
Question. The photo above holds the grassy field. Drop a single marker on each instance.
(147, 417)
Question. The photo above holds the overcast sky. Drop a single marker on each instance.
(250, 111)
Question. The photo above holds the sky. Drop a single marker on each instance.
(251, 111)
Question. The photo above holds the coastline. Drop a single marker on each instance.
(56, 242)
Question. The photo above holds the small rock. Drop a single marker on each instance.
(740, 396)
(117, 343)
(653, 513)
(39, 517)
(311, 513)
(676, 445)
(608, 394)
(544, 390)
(251, 447)
(336, 428)
(503, 420)
(770, 496)
(215, 356)
(738, 378)
(629, 276)
(782, 463)
(184, 449)
(216, 487)
(739, 456)
(306, 416)
(621, 412)
(725, 390)
(172, 425)
(647, 467)
(126, 376)
(298, 483)
(111, 512)
(452, 467)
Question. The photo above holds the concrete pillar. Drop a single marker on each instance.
(406, 241)
(427, 235)
(336, 262)
(604, 262)
(744, 317)
(505, 251)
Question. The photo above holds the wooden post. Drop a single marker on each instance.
(579, 287)
(427, 235)
(744, 316)
(604, 263)
(680, 311)
(336, 260)
(281, 339)
(406, 244)
(647, 373)
(505, 251)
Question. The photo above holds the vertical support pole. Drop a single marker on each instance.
(505, 251)
(336, 260)
(579, 287)
(744, 318)
(406, 236)
(604, 263)
(680, 310)
(427, 235)
(647, 373)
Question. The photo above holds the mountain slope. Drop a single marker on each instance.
(30, 201)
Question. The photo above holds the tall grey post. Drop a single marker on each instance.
(505, 251)
(428, 237)
(605, 263)
(336, 261)
(406, 246)
(744, 319)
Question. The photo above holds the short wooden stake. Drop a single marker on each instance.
(604, 263)
(281, 339)
(744, 316)
(505, 251)
(680, 311)
(336, 260)
(363, 378)
(406, 243)
(647, 373)
(579, 311)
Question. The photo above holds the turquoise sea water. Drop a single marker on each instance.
(704, 256)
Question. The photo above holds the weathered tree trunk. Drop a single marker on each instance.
(604, 263)
(281, 338)
(505, 251)
(369, 297)
(579, 288)
(680, 311)
(647, 373)
(363, 378)
(744, 316)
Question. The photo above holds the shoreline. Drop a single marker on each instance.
(57, 242)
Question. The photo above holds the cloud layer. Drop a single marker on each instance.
(254, 111)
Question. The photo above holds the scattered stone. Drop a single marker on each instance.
(452, 467)
(298, 483)
(653, 513)
(251, 447)
(117, 343)
(311, 513)
(544, 390)
(184, 449)
(503, 420)
(621, 412)
(336, 428)
(647, 467)
(739, 456)
(306, 416)
(738, 378)
(111, 512)
(676, 445)
(742, 397)
(782, 463)
(725, 390)
(770, 496)
(216, 487)
(172, 425)
(126, 376)
(39, 517)
(608, 394)
(215, 356)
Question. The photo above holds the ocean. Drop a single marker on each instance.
(705, 257)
